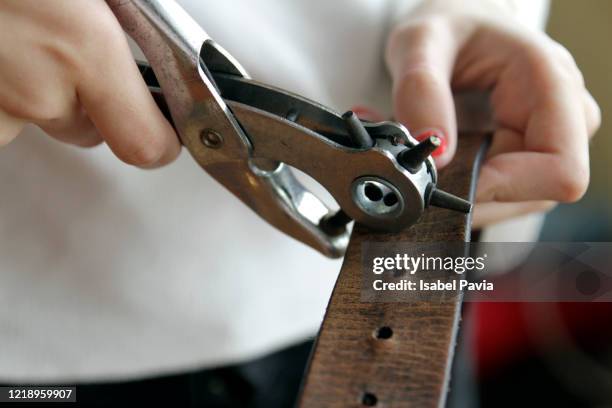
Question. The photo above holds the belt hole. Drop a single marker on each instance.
(368, 399)
(383, 333)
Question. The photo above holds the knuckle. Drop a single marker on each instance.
(37, 102)
(415, 37)
(563, 53)
(567, 61)
(426, 28)
(42, 102)
(43, 110)
(8, 137)
(594, 115)
(540, 65)
(419, 78)
(142, 155)
(101, 26)
(416, 31)
(10, 127)
(551, 66)
(595, 122)
(104, 30)
(573, 182)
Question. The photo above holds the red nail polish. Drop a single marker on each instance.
(432, 132)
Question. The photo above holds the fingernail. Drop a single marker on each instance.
(433, 132)
(366, 113)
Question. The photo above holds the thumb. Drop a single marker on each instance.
(420, 58)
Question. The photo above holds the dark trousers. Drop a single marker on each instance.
(271, 381)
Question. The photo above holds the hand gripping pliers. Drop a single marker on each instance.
(248, 135)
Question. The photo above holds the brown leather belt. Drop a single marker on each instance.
(393, 354)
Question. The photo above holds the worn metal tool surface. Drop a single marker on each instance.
(247, 135)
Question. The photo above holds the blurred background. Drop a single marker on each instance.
(547, 354)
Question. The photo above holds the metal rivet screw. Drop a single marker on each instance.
(211, 139)
(413, 157)
(377, 197)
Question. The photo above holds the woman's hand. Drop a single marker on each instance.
(543, 112)
(65, 66)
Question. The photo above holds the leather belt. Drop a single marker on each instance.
(393, 354)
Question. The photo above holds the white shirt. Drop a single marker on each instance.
(109, 272)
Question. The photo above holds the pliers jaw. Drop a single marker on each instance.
(247, 135)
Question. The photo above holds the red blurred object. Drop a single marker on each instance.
(502, 333)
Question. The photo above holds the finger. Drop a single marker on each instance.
(525, 176)
(591, 109)
(555, 163)
(122, 108)
(490, 213)
(505, 141)
(421, 61)
(10, 127)
(76, 129)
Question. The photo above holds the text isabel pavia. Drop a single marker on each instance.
(412, 265)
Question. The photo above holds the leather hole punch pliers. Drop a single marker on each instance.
(247, 135)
